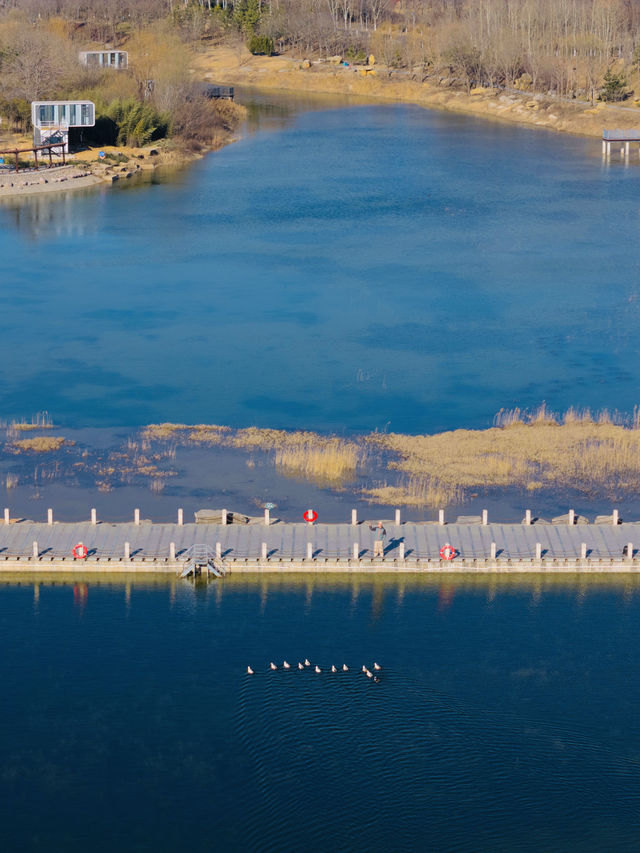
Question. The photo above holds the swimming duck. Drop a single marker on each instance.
(369, 674)
(307, 662)
(318, 668)
(377, 666)
(364, 669)
(345, 668)
(272, 665)
(333, 669)
(286, 665)
(300, 665)
(375, 678)
(249, 671)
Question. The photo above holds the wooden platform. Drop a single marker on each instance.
(280, 547)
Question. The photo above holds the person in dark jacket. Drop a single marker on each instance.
(378, 542)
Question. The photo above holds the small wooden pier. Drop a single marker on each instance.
(614, 140)
(565, 544)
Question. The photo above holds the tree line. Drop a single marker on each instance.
(567, 48)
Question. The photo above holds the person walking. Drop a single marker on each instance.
(378, 543)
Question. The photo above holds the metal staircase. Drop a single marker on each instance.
(199, 560)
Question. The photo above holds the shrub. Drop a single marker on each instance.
(614, 87)
(138, 123)
(261, 45)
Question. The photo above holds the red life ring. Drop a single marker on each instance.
(79, 551)
(310, 515)
(447, 552)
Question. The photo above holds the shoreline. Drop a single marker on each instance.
(526, 108)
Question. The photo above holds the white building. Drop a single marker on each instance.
(104, 58)
(52, 119)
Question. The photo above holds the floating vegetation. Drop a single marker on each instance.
(11, 481)
(37, 444)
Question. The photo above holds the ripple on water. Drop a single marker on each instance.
(396, 766)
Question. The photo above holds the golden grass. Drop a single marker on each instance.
(592, 454)
(415, 491)
(37, 444)
(323, 459)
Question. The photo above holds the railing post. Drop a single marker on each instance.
(538, 551)
(49, 517)
(401, 551)
(219, 550)
(172, 551)
(583, 551)
(630, 550)
(572, 516)
(266, 517)
(136, 516)
(441, 517)
(224, 516)
(309, 551)
(356, 551)
(615, 517)
(180, 517)
(127, 551)
(397, 517)
(494, 550)
(94, 517)
(264, 551)
(354, 517)
(7, 516)
(35, 550)
(485, 517)
(527, 518)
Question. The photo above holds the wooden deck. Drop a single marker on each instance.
(282, 547)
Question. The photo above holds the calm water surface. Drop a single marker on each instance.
(505, 718)
(338, 268)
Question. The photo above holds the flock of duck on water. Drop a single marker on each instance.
(307, 663)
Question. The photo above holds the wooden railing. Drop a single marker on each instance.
(48, 149)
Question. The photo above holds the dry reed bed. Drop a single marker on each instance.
(37, 444)
(324, 459)
(589, 454)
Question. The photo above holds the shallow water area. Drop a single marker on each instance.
(497, 716)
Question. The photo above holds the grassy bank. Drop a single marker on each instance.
(239, 67)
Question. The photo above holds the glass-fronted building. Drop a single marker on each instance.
(105, 58)
(52, 119)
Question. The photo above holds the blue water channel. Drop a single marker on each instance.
(341, 267)
(505, 718)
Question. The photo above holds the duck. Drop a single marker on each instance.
(249, 671)
(318, 668)
(345, 668)
(377, 666)
(300, 665)
(333, 669)
(369, 674)
(375, 678)
(286, 665)
(364, 669)
(307, 662)
(272, 665)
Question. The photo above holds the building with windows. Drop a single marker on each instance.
(52, 119)
(105, 58)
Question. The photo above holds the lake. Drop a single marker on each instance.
(341, 268)
(504, 718)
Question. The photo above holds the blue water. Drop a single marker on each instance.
(348, 269)
(505, 717)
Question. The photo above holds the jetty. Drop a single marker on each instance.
(619, 140)
(231, 543)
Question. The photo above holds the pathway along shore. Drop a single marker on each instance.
(269, 545)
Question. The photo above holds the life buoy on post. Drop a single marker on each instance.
(447, 552)
(79, 551)
(310, 516)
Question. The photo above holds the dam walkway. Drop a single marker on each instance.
(281, 546)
